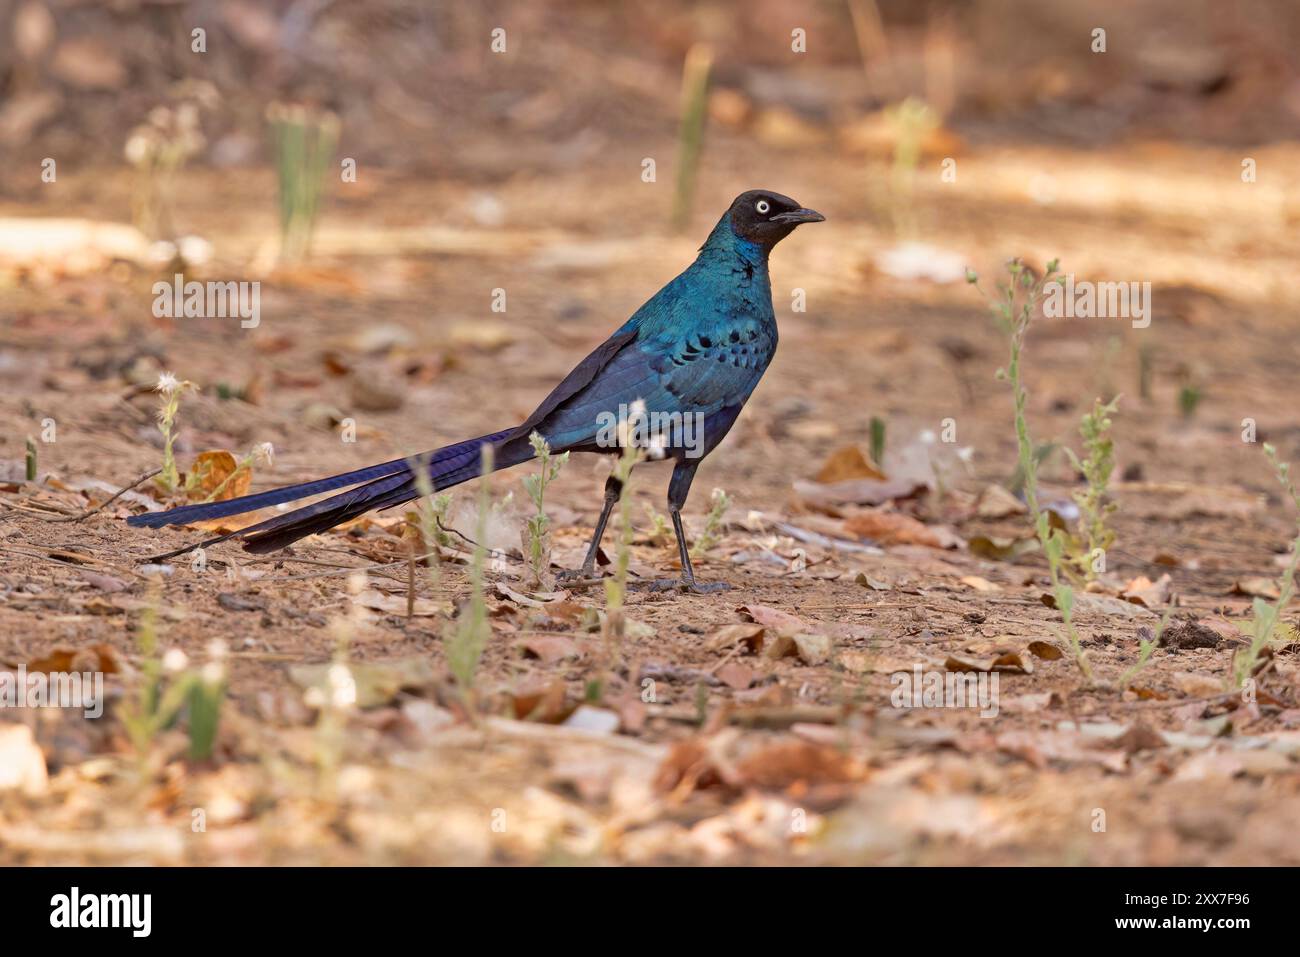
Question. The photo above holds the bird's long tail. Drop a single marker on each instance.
(385, 485)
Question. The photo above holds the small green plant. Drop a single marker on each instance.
(1189, 397)
(912, 121)
(713, 524)
(469, 634)
(1042, 452)
(1094, 535)
(1015, 305)
(169, 137)
(430, 513)
(690, 135)
(335, 695)
(1265, 620)
(1146, 370)
(170, 687)
(616, 584)
(537, 530)
(878, 442)
(304, 143)
(1148, 642)
(169, 390)
(614, 625)
(30, 472)
(661, 532)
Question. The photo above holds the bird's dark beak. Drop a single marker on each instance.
(799, 216)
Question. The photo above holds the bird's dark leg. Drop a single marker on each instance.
(678, 489)
(613, 489)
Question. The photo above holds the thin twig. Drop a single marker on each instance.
(98, 508)
(494, 552)
(66, 563)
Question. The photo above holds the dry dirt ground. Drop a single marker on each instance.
(738, 755)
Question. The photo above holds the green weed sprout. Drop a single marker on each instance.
(690, 135)
(304, 144)
(207, 690)
(537, 530)
(713, 525)
(469, 636)
(878, 441)
(1014, 307)
(661, 533)
(1097, 465)
(157, 148)
(170, 389)
(335, 696)
(616, 584)
(30, 472)
(615, 625)
(1265, 620)
(912, 120)
(170, 686)
(430, 512)
(1146, 647)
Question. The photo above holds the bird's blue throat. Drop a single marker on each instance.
(725, 247)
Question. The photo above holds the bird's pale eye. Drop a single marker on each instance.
(763, 206)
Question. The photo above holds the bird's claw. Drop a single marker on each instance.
(578, 577)
(681, 584)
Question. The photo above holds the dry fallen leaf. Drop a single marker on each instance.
(812, 649)
(212, 468)
(1085, 602)
(779, 622)
(791, 763)
(735, 675)
(588, 718)
(1143, 591)
(1041, 747)
(751, 636)
(100, 657)
(538, 600)
(894, 528)
(847, 463)
(549, 648)
(1000, 549)
(1255, 588)
(377, 682)
(831, 496)
(1045, 650)
(1011, 662)
(997, 502)
(980, 584)
(863, 579)
(396, 604)
(540, 699)
(22, 765)
(1194, 685)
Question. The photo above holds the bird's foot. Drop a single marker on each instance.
(688, 586)
(578, 577)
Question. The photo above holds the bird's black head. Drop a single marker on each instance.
(764, 217)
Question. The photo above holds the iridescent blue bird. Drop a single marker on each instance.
(690, 357)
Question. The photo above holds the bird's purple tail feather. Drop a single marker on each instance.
(386, 485)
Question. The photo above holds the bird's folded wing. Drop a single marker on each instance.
(684, 375)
